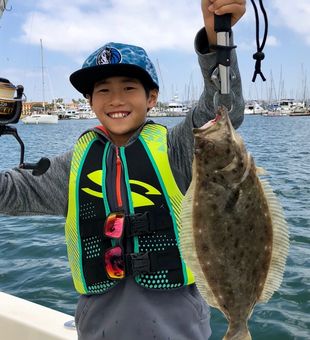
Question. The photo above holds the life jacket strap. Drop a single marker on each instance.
(141, 224)
(143, 263)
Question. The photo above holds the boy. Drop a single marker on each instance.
(121, 190)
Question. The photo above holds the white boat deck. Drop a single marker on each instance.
(21, 319)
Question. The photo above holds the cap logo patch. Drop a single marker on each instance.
(109, 55)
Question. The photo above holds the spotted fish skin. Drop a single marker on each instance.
(234, 236)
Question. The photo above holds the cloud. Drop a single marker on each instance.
(272, 41)
(294, 15)
(77, 27)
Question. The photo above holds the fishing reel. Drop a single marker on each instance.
(11, 98)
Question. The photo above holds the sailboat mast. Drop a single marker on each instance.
(162, 80)
(42, 70)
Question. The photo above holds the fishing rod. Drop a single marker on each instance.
(10, 112)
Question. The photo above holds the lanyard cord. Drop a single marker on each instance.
(259, 55)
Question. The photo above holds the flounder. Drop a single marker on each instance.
(234, 235)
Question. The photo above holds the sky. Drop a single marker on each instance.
(71, 30)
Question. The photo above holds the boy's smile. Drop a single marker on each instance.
(121, 105)
(117, 115)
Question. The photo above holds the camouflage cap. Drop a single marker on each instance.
(115, 59)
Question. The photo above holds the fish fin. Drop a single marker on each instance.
(280, 244)
(188, 249)
(238, 333)
(261, 171)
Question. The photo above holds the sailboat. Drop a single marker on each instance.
(41, 118)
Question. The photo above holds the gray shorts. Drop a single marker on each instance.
(131, 312)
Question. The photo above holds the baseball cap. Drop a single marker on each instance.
(115, 59)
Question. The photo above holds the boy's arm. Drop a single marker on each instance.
(180, 138)
(204, 111)
(204, 40)
(21, 193)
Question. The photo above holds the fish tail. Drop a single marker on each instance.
(238, 332)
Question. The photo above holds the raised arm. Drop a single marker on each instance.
(203, 44)
(181, 137)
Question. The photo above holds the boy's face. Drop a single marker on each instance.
(121, 105)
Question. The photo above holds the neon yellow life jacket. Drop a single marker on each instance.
(138, 180)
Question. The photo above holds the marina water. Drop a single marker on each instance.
(33, 259)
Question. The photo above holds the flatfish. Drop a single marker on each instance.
(234, 235)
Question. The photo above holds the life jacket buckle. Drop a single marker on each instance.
(138, 224)
(138, 263)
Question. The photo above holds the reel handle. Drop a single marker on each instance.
(38, 168)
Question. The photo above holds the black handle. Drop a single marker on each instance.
(38, 168)
(222, 23)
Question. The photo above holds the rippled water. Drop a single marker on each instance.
(33, 262)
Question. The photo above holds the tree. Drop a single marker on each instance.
(59, 100)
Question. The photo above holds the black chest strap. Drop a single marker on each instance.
(142, 263)
(144, 223)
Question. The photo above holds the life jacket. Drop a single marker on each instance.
(136, 179)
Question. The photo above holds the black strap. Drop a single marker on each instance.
(145, 223)
(223, 54)
(259, 55)
(142, 263)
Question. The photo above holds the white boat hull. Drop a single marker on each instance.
(22, 319)
(40, 119)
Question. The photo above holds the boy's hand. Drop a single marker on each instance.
(219, 7)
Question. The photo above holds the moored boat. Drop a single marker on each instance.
(299, 114)
(40, 118)
(177, 109)
(254, 108)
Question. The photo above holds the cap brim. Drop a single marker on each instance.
(84, 79)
